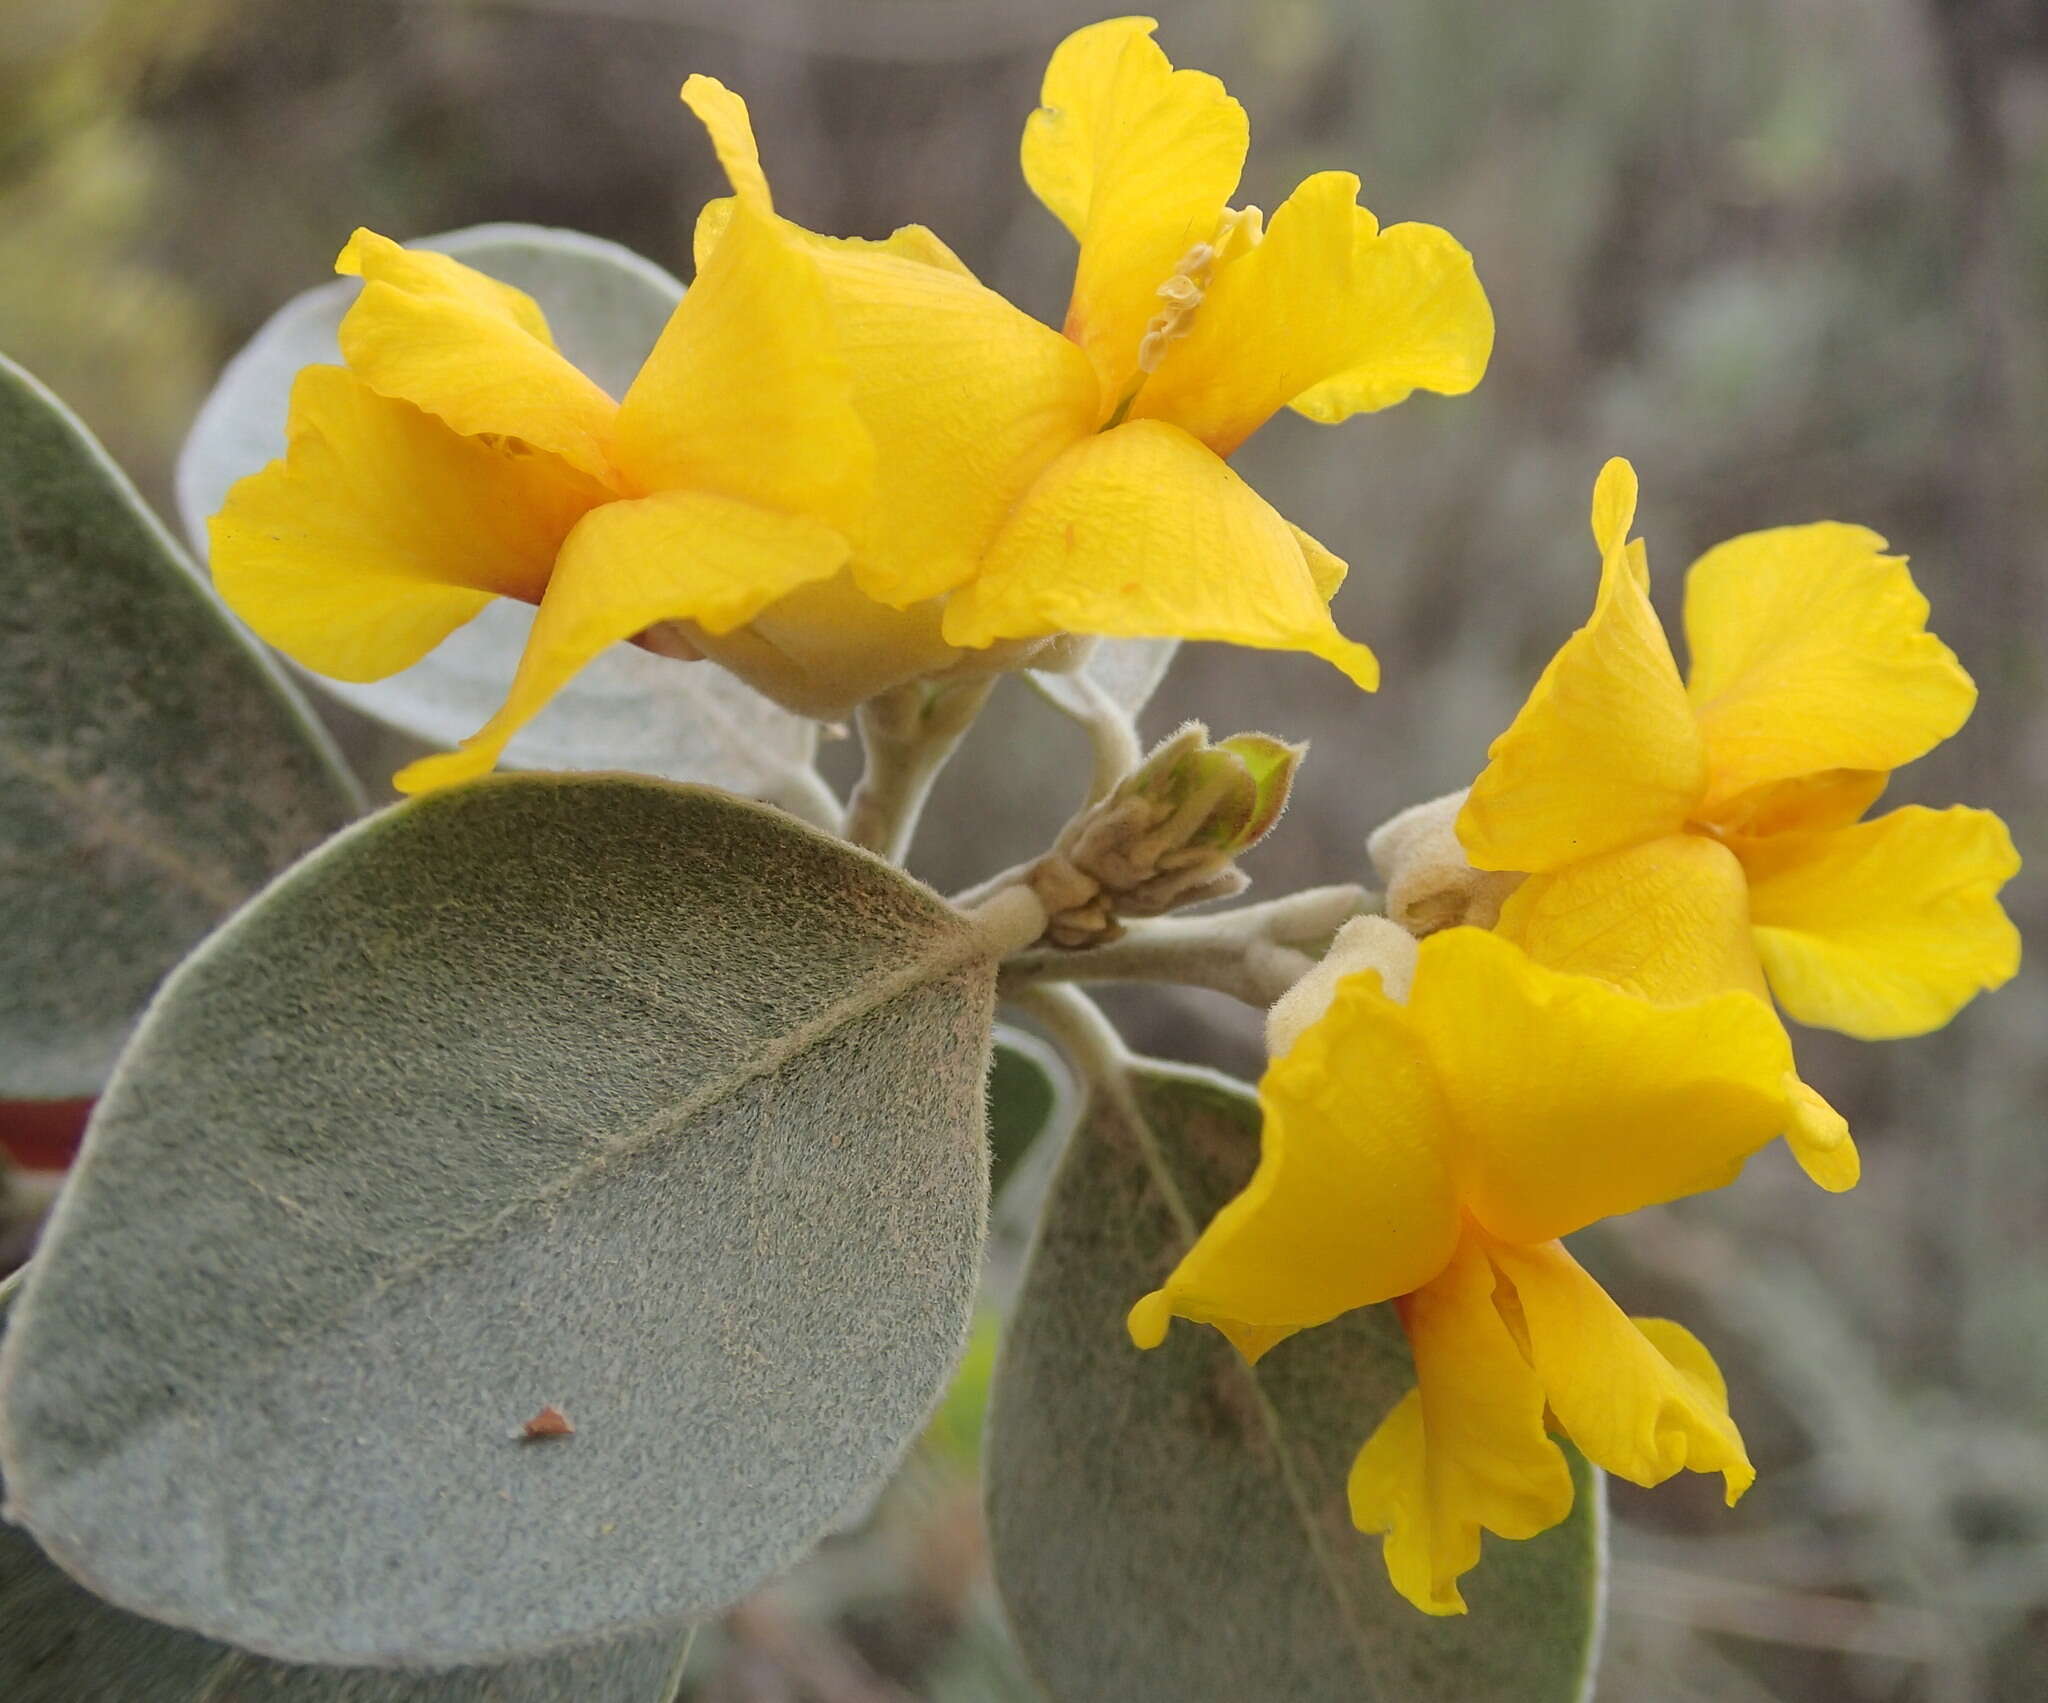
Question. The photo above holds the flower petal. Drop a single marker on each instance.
(1810, 651)
(1640, 1397)
(906, 242)
(381, 530)
(1326, 569)
(1138, 160)
(969, 400)
(1819, 1138)
(1574, 1101)
(1614, 505)
(1351, 1203)
(1329, 313)
(1141, 532)
(724, 115)
(682, 555)
(1465, 1449)
(1667, 920)
(966, 399)
(1829, 798)
(1887, 927)
(747, 392)
(433, 332)
(1604, 754)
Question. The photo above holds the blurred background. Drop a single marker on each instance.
(1790, 256)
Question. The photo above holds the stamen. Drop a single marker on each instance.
(1237, 230)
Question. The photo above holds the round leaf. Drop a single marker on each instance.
(1028, 1096)
(60, 1644)
(156, 767)
(606, 1095)
(628, 709)
(1173, 1523)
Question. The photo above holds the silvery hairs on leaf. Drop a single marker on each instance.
(1201, 1501)
(628, 709)
(155, 765)
(605, 1094)
(60, 1644)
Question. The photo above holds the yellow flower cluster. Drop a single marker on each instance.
(847, 464)
(1442, 1115)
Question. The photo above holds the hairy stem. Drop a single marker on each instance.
(804, 794)
(1255, 953)
(1112, 735)
(1079, 1029)
(909, 733)
(1007, 920)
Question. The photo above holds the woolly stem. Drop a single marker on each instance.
(908, 733)
(1112, 736)
(1079, 1029)
(804, 794)
(1254, 953)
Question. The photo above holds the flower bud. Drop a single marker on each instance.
(1167, 836)
(1429, 883)
(1363, 943)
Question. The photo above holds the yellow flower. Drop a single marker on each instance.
(458, 456)
(1686, 836)
(1042, 485)
(1433, 1153)
(847, 464)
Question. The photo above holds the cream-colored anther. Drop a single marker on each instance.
(1430, 886)
(1239, 228)
(1182, 294)
(1363, 943)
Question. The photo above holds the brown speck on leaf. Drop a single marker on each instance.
(551, 1421)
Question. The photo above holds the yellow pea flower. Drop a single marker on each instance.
(1432, 1152)
(458, 456)
(1043, 484)
(1685, 836)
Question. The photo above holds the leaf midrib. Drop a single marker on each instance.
(1130, 1107)
(958, 947)
(96, 821)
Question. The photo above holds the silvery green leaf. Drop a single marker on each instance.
(602, 1094)
(628, 709)
(1030, 1096)
(155, 766)
(60, 1644)
(1126, 671)
(1173, 1523)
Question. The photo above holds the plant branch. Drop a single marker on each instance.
(803, 793)
(909, 733)
(1254, 953)
(1112, 735)
(1008, 920)
(1078, 1028)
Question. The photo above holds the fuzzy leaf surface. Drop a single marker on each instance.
(1028, 1097)
(1174, 1523)
(628, 709)
(60, 1644)
(156, 767)
(597, 1093)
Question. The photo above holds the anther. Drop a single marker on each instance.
(1238, 229)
